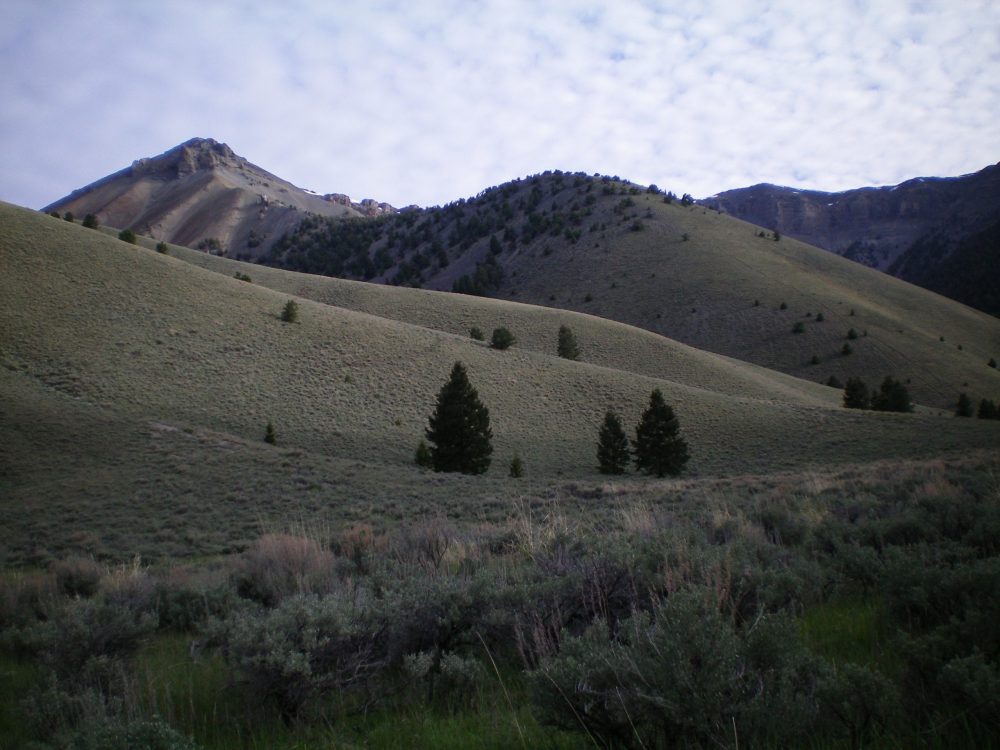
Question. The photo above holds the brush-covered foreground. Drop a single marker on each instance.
(840, 609)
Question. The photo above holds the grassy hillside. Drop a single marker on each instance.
(136, 388)
(605, 247)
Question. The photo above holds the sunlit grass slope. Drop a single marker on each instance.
(136, 385)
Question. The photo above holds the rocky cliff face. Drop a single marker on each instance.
(201, 193)
(912, 230)
(874, 226)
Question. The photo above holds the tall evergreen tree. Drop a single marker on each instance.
(459, 429)
(892, 396)
(612, 446)
(567, 344)
(964, 406)
(856, 394)
(659, 449)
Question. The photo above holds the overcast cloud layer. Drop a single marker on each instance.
(426, 101)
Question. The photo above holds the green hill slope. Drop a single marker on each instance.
(603, 246)
(133, 380)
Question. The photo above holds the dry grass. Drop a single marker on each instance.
(136, 387)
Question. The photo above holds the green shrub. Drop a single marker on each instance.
(679, 676)
(799, 327)
(161, 247)
(476, 334)
(852, 334)
(68, 216)
(269, 434)
(502, 338)
(153, 734)
(422, 457)
(90, 221)
(516, 467)
(304, 649)
(127, 235)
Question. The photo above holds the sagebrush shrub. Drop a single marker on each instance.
(303, 649)
(281, 565)
(78, 576)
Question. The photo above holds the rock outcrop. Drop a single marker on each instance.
(201, 193)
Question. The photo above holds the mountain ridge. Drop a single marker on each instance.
(909, 230)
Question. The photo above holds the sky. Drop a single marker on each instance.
(427, 101)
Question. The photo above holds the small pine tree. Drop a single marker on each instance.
(992, 363)
(269, 434)
(964, 406)
(476, 334)
(68, 216)
(814, 360)
(856, 394)
(516, 467)
(90, 221)
(846, 349)
(502, 338)
(799, 327)
(783, 306)
(161, 247)
(127, 235)
(834, 382)
(777, 236)
(290, 313)
(422, 457)
(852, 334)
(567, 347)
(988, 410)
(658, 447)
(892, 396)
(459, 429)
(612, 446)
(819, 317)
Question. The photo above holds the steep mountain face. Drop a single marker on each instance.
(201, 194)
(909, 230)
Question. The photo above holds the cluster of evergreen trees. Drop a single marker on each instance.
(460, 436)
(658, 447)
(891, 396)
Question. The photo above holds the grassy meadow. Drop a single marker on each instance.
(171, 580)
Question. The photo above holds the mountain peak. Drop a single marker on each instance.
(188, 157)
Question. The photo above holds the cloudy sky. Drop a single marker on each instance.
(426, 101)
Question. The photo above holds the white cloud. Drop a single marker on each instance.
(425, 102)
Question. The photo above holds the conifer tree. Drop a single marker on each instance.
(459, 429)
(269, 434)
(892, 396)
(856, 394)
(659, 449)
(290, 312)
(516, 467)
(612, 446)
(567, 348)
(964, 406)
